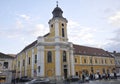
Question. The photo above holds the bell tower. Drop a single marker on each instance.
(58, 25)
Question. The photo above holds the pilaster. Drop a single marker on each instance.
(26, 59)
(72, 60)
(57, 63)
(33, 58)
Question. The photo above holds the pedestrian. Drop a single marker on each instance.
(108, 75)
(83, 77)
(115, 75)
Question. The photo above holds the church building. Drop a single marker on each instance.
(53, 56)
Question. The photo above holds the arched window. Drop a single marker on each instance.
(64, 56)
(49, 56)
(63, 34)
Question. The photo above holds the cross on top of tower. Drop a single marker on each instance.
(57, 3)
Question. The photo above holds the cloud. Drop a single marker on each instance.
(82, 35)
(115, 19)
(25, 17)
(114, 43)
(39, 30)
(19, 24)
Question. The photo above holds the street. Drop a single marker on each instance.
(112, 81)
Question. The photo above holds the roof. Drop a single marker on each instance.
(84, 50)
(2, 55)
(57, 12)
(115, 54)
(46, 35)
(29, 46)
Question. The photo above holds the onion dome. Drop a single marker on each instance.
(57, 12)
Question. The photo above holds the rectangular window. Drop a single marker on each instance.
(84, 60)
(102, 61)
(96, 61)
(64, 56)
(75, 60)
(76, 73)
(23, 62)
(63, 35)
(39, 69)
(18, 63)
(91, 60)
(105, 61)
(35, 59)
(5, 65)
(29, 60)
(111, 61)
(49, 57)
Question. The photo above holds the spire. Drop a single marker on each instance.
(57, 3)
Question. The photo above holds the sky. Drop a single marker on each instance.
(94, 23)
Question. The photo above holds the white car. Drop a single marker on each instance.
(39, 81)
(118, 74)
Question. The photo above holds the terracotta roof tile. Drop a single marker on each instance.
(84, 50)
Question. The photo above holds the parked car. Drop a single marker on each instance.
(24, 79)
(39, 81)
(74, 78)
(118, 74)
(112, 75)
(87, 78)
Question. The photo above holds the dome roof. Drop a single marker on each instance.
(57, 12)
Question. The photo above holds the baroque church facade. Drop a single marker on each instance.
(53, 56)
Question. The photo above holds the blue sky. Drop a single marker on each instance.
(94, 23)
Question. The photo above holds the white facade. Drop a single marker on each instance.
(6, 69)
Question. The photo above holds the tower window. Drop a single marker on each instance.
(49, 56)
(63, 34)
(64, 56)
(51, 25)
(62, 24)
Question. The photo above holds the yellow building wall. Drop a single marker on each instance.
(97, 67)
(50, 67)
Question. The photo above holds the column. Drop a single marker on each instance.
(72, 60)
(68, 60)
(40, 61)
(20, 66)
(40, 58)
(57, 63)
(57, 31)
(26, 59)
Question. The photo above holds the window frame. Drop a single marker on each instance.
(64, 56)
(49, 56)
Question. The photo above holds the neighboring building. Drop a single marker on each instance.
(6, 68)
(117, 60)
(53, 56)
(92, 60)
